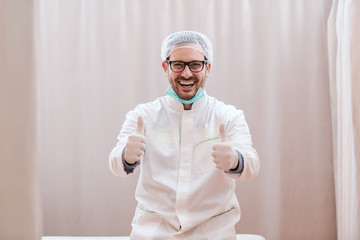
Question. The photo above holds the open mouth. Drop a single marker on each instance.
(186, 84)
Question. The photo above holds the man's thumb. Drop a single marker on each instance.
(222, 132)
(140, 125)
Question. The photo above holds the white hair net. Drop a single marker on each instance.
(187, 39)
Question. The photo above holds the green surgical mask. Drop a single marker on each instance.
(170, 91)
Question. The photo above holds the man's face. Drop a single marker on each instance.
(186, 83)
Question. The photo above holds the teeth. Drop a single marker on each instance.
(187, 82)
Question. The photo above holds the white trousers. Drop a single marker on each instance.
(149, 226)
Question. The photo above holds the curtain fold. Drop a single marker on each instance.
(20, 213)
(344, 62)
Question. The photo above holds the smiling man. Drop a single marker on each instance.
(190, 149)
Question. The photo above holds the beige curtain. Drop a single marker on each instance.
(344, 60)
(20, 216)
(98, 59)
(70, 70)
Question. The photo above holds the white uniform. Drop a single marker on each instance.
(180, 193)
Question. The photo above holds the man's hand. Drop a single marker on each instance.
(135, 145)
(224, 156)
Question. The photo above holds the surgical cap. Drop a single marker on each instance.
(187, 39)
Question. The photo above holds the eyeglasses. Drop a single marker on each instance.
(179, 66)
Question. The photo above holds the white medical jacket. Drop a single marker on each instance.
(178, 179)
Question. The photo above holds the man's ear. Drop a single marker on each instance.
(164, 66)
(207, 72)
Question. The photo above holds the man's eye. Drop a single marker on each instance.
(178, 65)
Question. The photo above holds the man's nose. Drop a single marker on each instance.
(187, 72)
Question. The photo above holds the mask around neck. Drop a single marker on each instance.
(170, 91)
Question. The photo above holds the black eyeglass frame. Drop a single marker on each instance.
(204, 62)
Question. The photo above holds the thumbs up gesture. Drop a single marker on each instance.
(135, 144)
(224, 156)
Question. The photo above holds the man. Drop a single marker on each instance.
(190, 148)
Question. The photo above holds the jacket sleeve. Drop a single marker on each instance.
(116, 163)
(238, 133)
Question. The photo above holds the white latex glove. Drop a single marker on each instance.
(135, 144)
(224, 156)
